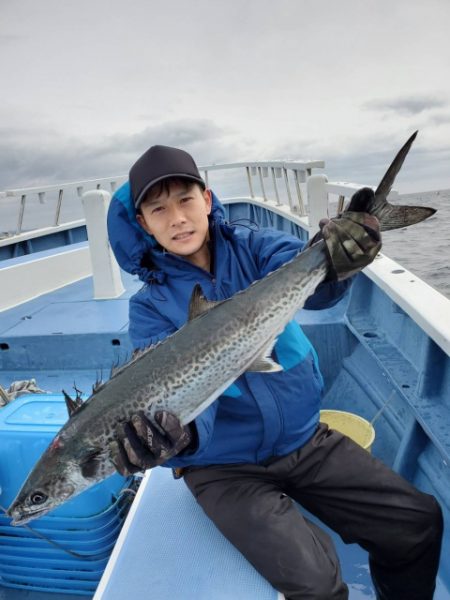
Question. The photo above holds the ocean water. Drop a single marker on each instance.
(424, 248)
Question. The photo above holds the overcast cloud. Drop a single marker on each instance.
(87, 86)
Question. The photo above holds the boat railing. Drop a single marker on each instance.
(287, 186)
(94, 197)
(52, 207)
(57, 207)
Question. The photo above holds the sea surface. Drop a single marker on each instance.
(423, 249)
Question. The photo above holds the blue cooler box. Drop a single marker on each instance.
(27, 426)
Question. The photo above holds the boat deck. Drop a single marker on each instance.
(55, 337)
(65, 338)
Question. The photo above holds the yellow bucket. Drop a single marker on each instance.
(351, 425)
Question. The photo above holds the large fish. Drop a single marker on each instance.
(188, 370)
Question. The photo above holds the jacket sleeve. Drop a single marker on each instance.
(272, 249)
(147, 327)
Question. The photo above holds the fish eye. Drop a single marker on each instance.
(38, 498)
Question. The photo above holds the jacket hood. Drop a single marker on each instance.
(130, 243)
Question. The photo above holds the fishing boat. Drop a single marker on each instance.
(384, 351)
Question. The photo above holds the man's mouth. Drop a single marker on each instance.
(182, 236)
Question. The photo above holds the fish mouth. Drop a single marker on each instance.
(23, 519)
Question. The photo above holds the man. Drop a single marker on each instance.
(260, 446)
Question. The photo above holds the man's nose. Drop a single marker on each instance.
(176, 215)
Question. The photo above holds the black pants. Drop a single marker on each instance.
(349, 490)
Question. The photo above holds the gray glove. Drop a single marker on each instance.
(140, 445)
(353, 239)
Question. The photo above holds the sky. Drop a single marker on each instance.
(88, 86)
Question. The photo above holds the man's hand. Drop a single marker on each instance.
(141, 445)
(353, 239)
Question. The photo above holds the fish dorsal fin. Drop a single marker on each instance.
(264, 363)
(99, 381)
(115, 368)
(73, 405)
(198, 304)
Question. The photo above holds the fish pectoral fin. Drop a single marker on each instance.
(90, 462)
(265, 364)
(198, 304)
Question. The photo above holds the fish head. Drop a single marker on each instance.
(59, 475)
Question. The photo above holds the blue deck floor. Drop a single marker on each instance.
(54, 338)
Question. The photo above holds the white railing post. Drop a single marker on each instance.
(105, 270)
(317, 201)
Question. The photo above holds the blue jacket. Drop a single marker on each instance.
(260, 415)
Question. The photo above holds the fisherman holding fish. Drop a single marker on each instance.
(259, 448)
(230, 398)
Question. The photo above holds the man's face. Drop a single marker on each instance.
(179, 220)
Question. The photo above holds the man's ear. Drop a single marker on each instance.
(208, 199)
(140, 219)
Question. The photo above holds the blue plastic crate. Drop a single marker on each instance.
(63, 535)
(89, 545)
(45, 589)
(50, 552)
(67, 574)
(109, 517)
(34, 582)
(77, 564)
(27, 426)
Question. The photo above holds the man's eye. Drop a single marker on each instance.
(157, 209)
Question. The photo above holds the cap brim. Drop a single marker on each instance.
(143, 193)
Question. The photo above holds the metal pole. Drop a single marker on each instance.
(105, 270)
(299, 194)
(262, 184)
(249, 178)
(317, 200)
(21, 212)
(58, 207)
(275, 186)
(340, 207)
(288, 190)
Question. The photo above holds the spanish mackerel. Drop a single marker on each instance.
(190, 369)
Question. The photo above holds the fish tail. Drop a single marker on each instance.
(389, 215)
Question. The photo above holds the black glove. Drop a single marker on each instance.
(353, 239)
(141, 445)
